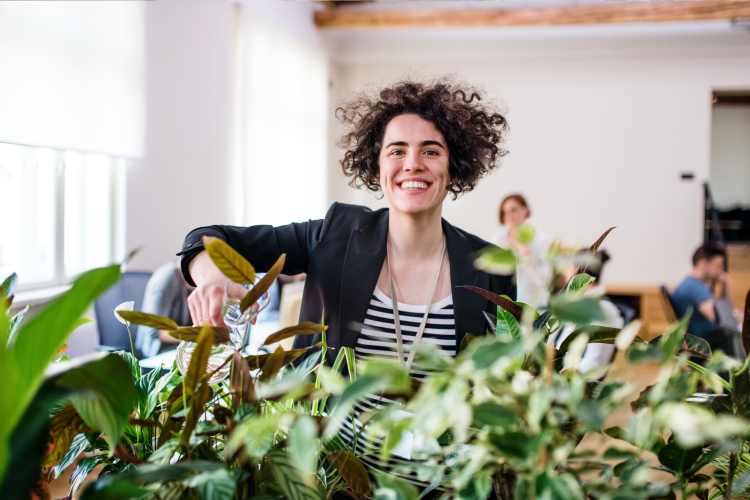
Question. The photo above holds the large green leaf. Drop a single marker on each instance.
(83, 469)
(597, 335)
(104, 394)
(486, 355)
(213, 485)
(577, 285)
(578, 311)
(15, 322)
(494, 415)
(392, 488)
(342, 406)
(507, 324)
(133, 484)
(679, 459)
(37, 343)
(496, 260)
(288, 478)
(303, 444)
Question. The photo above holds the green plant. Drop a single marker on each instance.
(95, 389)
(507, 416)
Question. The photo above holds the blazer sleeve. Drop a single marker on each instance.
(262, 245)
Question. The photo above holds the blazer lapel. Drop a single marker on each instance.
(467, 305)
(364, 258)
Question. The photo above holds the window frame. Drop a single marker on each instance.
(118, 166)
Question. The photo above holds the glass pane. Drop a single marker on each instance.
(88, 212)
(27, 222)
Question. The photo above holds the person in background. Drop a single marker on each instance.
(530, 246)
(595, 355)
(695, 292)
(166, 295)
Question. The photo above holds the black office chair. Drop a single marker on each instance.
(113, 335)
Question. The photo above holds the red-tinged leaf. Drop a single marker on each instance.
(152, 320)
(191, 334)
(506, 304)
(264, 284)
(352, 470)
(592, 250)
(233, 265)
(306, 328)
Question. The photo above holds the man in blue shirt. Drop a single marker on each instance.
(708, 267)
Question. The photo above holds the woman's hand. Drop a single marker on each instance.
(206, 301)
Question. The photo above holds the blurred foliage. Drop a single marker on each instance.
(504, 418)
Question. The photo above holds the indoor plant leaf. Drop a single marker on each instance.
(288, 478)
(352, 470)
(264, 284)
(306, 328)
(233, 265)
(191, 333)
(152, 320)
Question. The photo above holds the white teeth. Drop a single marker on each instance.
(413, 185)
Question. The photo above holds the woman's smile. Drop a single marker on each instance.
(414, 186)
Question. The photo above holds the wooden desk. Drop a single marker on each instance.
(647, 300)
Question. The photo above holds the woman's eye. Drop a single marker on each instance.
(397, 152)
(431, 152)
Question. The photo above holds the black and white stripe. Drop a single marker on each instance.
(379, 343)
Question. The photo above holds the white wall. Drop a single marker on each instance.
(730, 155)
(596, 140)
(184, 179)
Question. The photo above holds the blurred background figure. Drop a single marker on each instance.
(530, 245)
(596, 355)
(698, 292)
(166, 295)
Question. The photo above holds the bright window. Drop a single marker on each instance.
(63, 213)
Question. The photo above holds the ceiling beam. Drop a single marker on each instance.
(635, 12)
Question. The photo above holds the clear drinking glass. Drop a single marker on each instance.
(237, 323)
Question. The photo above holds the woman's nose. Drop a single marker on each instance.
(413, 163)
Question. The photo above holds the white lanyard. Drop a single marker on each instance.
(397, 321)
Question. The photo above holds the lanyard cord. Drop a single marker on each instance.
(396, 319)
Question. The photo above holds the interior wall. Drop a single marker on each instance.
(184, 178)
(595, 142)
(730, 155)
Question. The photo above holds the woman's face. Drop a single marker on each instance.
(514, 213)
(413, 165)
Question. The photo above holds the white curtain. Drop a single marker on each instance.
(284, 122)
(71, 75)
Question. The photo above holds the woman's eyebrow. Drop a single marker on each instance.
(431, 143)
(421, 144)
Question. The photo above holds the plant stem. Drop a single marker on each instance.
(132, 351)
(730, 476)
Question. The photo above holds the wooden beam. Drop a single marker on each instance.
(635, 12)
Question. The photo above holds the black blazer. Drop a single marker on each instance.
(342, 256)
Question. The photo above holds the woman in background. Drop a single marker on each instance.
(530, 245)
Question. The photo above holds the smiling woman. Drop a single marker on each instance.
(383, 281)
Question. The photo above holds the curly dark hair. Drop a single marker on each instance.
(473, 130)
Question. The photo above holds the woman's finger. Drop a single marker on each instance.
(215, 318)
(194, 307)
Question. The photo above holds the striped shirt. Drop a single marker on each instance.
(379, 343)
